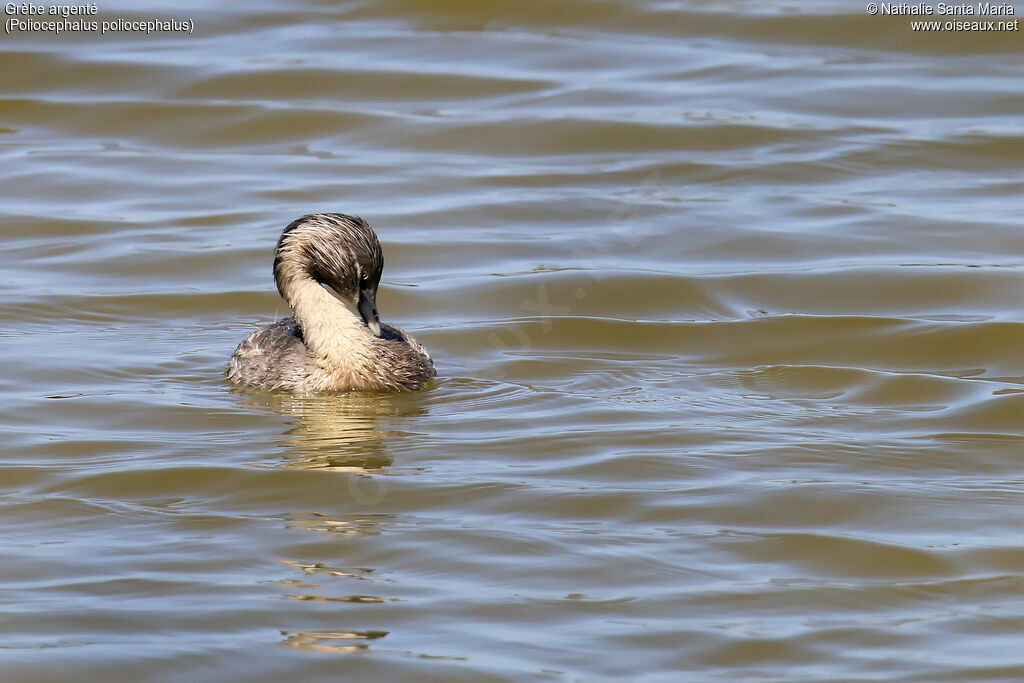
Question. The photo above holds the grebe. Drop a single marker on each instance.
(327, 347)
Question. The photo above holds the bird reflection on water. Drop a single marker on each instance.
(347, 433)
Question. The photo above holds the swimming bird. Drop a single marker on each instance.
(333, 343)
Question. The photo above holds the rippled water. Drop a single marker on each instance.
(725, 300)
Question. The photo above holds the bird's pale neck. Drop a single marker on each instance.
(336, 336)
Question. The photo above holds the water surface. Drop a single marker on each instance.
(725, 300)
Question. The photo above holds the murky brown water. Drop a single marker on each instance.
(726, 301)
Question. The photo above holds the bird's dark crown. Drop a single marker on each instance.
(339, 251)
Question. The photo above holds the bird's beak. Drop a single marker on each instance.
(368, 309)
